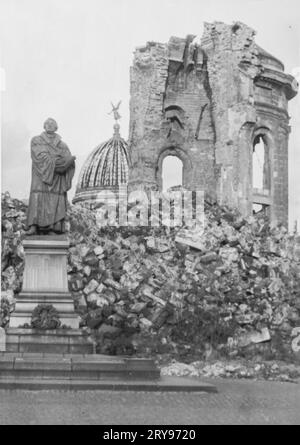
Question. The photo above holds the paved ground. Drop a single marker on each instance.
(238, 402)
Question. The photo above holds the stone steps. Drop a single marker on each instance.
(56, 341)
(75, 367)
(165, 384)
(88, 372)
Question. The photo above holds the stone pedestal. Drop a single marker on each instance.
(45, 280)
(59, 358)
(57, 341)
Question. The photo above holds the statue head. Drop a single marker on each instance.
(50, 126)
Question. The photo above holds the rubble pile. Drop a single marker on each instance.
(234, 294)
(12, 254)
(270, 370)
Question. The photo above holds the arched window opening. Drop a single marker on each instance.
(172, 172)
(261, 176)
(261, 165)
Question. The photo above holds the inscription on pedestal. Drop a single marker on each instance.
(45, 273)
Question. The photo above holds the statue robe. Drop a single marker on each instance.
(51, 179)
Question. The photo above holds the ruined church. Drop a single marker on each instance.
(221, 107)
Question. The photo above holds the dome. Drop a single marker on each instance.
(106, 168)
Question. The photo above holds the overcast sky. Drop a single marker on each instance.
(69, 58)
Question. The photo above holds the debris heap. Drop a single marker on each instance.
(145, 291)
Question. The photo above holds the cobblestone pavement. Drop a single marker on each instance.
(238, 402)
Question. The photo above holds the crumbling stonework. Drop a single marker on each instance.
(142, 291)
(209, 105)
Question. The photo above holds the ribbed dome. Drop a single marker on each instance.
(106, 168)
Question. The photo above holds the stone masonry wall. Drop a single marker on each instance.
(171, 115)
(233, 105)
(207, 104)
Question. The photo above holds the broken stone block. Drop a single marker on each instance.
(295, 332)
(280, 316)
(12, 214)
(296, 341)
(92, 297)
(149, 294)
(232, 368)
(158, 244)
(138, 307)
(243, 307)
(109, 331)
(82, 302)
(209, 258)
(294, 316)
(185, 240)
(255, 337)
(161, 315)
(101, 301)
(229, 254)
(83, 250)
(10, 277)
(145, 323)
(9, 296)
(76, 284)
(91, 287)
(87, 270)
(248, 318)
(110, 296)
(2, 340)
(91, 260)
(98, 251)
(111, 283)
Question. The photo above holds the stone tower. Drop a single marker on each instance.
(214, 105)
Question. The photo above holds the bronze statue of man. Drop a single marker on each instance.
(53, 168)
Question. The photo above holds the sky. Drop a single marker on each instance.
(68, 59)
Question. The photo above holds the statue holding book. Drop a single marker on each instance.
(53, 168)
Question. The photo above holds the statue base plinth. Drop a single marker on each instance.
(45, 281)
(56, 341)
(27, 302)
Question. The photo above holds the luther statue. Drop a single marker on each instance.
(53, 169)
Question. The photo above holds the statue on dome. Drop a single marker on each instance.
(115, 111)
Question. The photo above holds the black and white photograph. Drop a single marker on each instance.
(150, 215)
